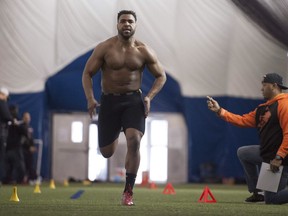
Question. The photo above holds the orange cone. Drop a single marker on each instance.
(145, 178)
(153, 185)
(205, 196)
(169, 189)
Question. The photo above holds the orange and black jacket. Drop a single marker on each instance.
(271, 120)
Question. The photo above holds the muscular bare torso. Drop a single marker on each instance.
(122, 66)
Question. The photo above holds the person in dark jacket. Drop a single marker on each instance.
(28, 149)
(5, 119)
(15, 166)
(271, 120)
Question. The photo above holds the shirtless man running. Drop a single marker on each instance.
(122, 59)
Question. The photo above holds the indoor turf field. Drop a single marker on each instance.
(104, 199)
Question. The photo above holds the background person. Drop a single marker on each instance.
(271, 120)
(5, 118)
(29, 149)
(15, 166)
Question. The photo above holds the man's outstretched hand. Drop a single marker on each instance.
(213, 105)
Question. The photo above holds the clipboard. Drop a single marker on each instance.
(267, 180)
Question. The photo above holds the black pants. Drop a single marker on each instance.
(3, 138)
(29, 165)
(15, 165)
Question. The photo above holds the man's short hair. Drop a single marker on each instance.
(127, 12)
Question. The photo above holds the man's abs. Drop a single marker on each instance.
(121, 81)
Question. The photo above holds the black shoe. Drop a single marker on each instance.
(255, 198)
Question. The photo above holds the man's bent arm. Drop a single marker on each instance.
(158, 72)
(157, 86)
(92, 66)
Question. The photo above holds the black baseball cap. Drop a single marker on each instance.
(274, 78)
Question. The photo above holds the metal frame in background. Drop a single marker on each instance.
(39, 142)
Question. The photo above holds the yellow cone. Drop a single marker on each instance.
(14, 196)
(37, 189)
(86, 182)
(52, 184)
(66, 183)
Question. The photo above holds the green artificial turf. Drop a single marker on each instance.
(104, 199)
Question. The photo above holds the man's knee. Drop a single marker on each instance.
(248, 151)
(108, 151)
(106, 154)
(241, 151)
(133, 143)
(271, 199)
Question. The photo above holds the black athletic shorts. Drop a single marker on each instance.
(118, 112)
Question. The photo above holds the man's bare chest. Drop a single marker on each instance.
(118, 60)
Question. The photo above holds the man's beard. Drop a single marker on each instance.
(126, 36)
